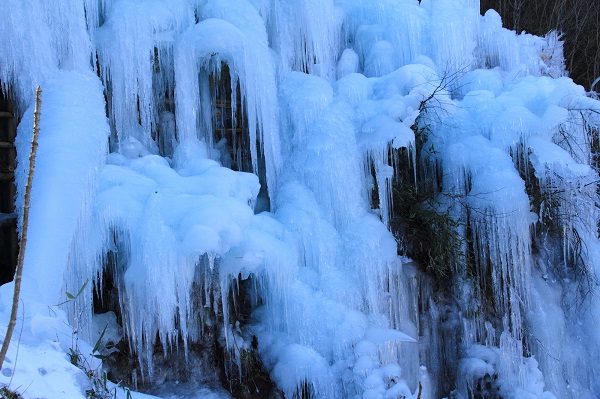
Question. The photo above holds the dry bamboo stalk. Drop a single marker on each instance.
(23, 243)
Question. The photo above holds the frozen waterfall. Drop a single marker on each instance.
(339, 198)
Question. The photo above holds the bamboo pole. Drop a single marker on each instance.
(21, 258)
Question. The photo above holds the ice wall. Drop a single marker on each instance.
(490, 159)
(331, 94)
(146, 32)
(40, 38)
(306, 35)
(61, 214)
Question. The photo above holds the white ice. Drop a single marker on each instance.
(329, 92)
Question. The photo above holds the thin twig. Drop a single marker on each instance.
(18, 342)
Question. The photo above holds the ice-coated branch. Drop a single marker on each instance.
(23, 243)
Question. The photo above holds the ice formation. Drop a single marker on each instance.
(229, 171)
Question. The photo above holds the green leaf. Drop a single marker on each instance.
(99, 341)
(82, 288)
(70, 296)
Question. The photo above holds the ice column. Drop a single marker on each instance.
(232, 35)
(73, 131)
(138, 83)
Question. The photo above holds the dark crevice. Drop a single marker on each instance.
(8, 219)
(230, 132)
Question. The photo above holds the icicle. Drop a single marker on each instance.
(399, 24)
(497, 47)
(137, 84)
(305, 33)
(453, 37)
(38, 39)
(227, 37)
(380, 135)
(73, 130)
(172, 218)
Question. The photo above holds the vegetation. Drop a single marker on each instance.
(426, 233)
(421, 219)
(243, 373)
(421, 222)
(6, 393)
(92, 368)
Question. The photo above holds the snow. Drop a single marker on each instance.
(348, 63)
(73, 113)
(135, 178)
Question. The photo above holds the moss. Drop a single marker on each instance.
(252, 381)
(424, 230)
(6, 393)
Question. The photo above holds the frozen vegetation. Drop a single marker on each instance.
(304, 198)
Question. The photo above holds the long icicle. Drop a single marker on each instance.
(23, 243)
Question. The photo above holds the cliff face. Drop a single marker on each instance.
(306, 198)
